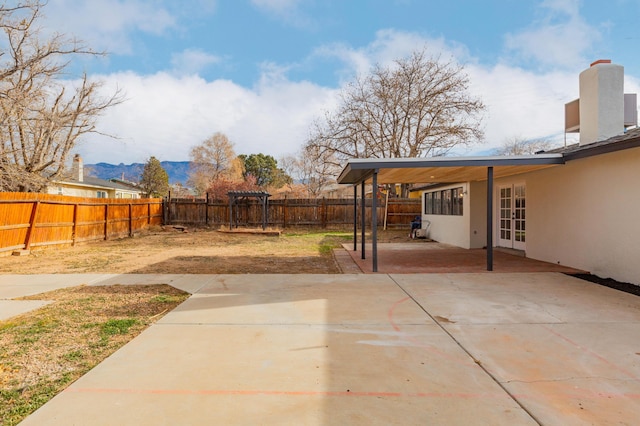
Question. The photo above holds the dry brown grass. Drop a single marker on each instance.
(199, 251)
(43, 351)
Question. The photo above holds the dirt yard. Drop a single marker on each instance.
(196, 251)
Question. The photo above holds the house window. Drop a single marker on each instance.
(60, 190)
(444, 202)
(437, 202)
(101, 194)
(428, 197)
(456, 201)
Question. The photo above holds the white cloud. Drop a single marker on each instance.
(192, 61)
(388, 46)
(166, 115)
(561, 38)
(107, 24)
(288, 11)
(521, 103)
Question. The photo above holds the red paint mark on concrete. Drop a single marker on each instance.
(590, 352)
(392, 309)
(349, 393)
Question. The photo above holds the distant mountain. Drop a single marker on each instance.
(178, 171)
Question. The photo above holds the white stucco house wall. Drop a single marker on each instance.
(76, 184)
(583, 213)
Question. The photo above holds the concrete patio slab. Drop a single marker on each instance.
(580, 401)
(297, 299)
(305, 349)
(488, 348)
(518, 298)
(288, 374)
(577, 359)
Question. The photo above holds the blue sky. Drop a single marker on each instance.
(261, 71)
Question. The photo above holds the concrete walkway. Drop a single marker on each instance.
(13, 286)
(454, 349)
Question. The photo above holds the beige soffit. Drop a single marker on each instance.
(443, 169)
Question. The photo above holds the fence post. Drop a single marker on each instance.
(149, 213)
(323, 212)
(166, 220)
(284, 213)
(106, 221)
(74, 231)
(130, 220)
(206, 211)
(32, 224)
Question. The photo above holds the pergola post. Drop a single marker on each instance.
(363, 222)
(374, 221)
(355, 217)
(490, 218)
(263, 198)
(265, 212)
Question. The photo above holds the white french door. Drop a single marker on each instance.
(512, 216)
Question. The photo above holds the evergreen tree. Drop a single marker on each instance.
(154, 180)
(264, 168)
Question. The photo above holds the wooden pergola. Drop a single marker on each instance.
(375, 171)
(261, 196)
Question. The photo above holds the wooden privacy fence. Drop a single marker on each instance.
(30, 220)
(322, 212)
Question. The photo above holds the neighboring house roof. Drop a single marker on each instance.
(93, 182)
(125, 183)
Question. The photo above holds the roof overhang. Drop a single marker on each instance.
(443, 169)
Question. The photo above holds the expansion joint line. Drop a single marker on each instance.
(465, 350)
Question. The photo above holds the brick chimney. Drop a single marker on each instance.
(77, 168)
(601, 101)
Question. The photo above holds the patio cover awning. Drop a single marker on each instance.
(442, 169)
(359, 171)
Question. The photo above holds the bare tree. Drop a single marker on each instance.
(418, 107)
(311, 168)
(213, 159)
(318, 169)
(521, 146)
(42, 116)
